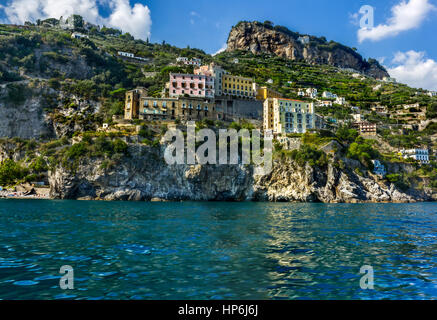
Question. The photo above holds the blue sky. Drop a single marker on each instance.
(403, 36)
(205, 24)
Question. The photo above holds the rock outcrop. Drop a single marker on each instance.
(264, 38)
(30, 111)
(144, 176)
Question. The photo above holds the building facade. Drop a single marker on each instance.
(198, 86)
(263, 93)
(329, 95)
(216, 72)
(238, 87)
(340, 100)
(125, 54)
(379, 168)
(283, 116)
(365, 128)
(421, 155)
(190, 62)
(182, 108)
(139, 106)
(132, 103)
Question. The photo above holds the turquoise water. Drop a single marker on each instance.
(217, 250)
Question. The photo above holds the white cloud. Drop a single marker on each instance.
(136, 20)
(222, 49)
(414, 69)
(405, 16)
(381, 59)
(194, 16)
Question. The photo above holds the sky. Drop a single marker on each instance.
(402, 36)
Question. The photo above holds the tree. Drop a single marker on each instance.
(10, 171)
(268, 23)
(78, 22)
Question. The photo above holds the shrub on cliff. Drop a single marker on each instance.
(362, 151)
(347, 134)
(10, 172)
(310, 155)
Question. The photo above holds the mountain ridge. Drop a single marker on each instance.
(258, 38)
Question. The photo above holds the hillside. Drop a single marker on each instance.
(56, 92)
(258, 38)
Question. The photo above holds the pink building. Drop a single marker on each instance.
(200, 86)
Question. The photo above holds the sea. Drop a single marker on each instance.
(91, 250)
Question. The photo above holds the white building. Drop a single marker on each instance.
(181, 59)
(358, 117)
(311, 92)
(421, 155)
(193, 62)
(329, 95)
(324, 103)
(432, 93)
(340, 100)
(77, 35)
(126, 54)
(389, 79)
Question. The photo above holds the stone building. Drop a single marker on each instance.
(139, 106)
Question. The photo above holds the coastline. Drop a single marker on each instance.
(17, 196)
(22, 195)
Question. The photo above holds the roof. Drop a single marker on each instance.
(291, 100)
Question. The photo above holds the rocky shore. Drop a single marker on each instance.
(4, 194)
(144, 176)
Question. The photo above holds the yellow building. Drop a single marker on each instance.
(131, 105)
(238, 87)
(264, 93)
(140, 106)
(282, 116)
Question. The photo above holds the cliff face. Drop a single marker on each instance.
(260, 38)
(32, 111)
(144, 176)
(24, 118)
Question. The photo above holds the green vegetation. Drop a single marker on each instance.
(10, 172)
(92, 147)
(363, 151)
(308, 154)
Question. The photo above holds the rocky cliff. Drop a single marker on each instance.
(30, 109)
(264, 38)
(145, 176)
